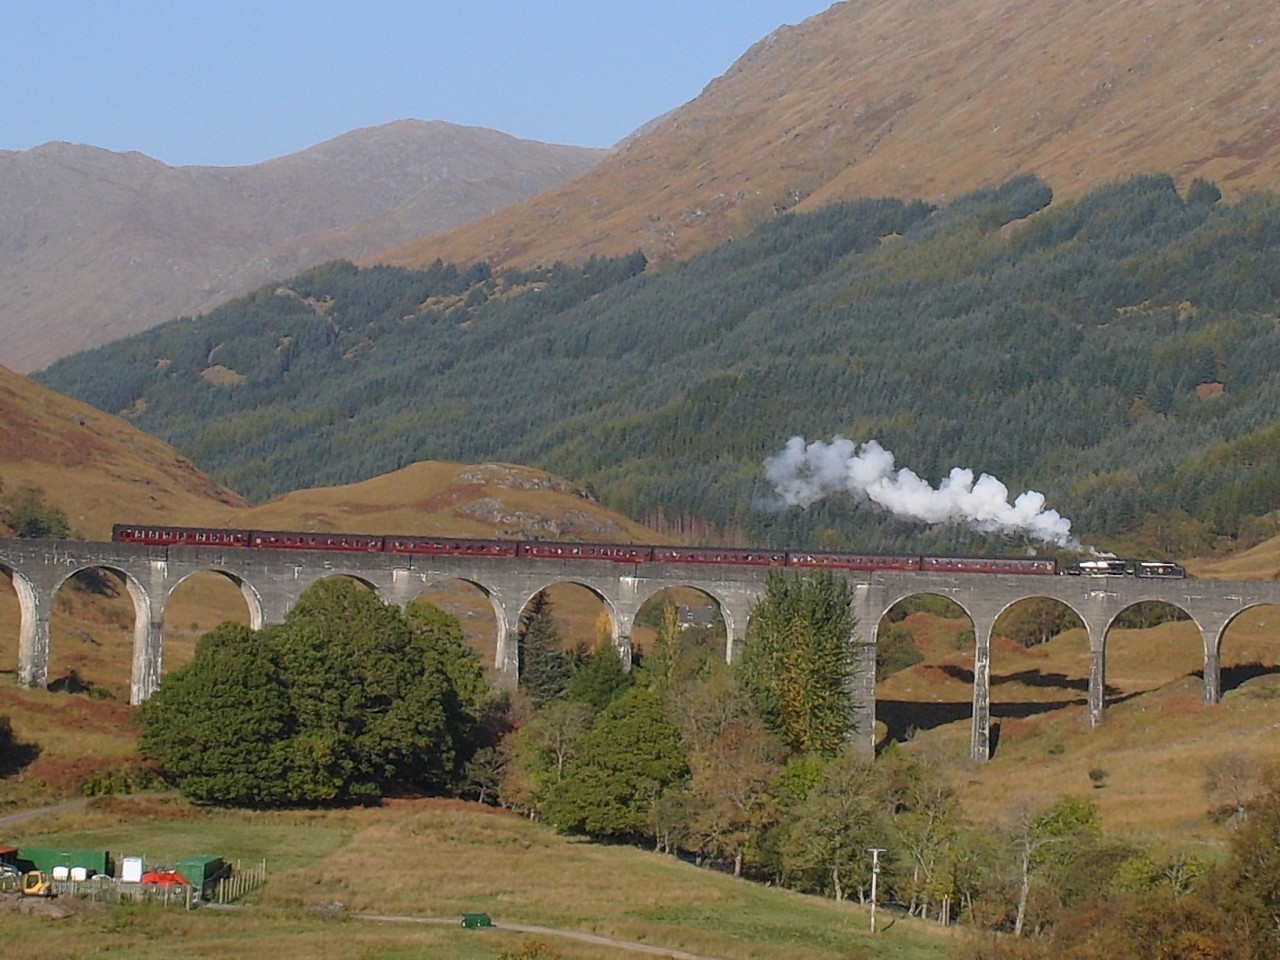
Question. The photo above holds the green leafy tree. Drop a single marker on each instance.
(926, 819)
(538, 753)
(734, 760)
(343, 701)
(731, 779)
(826, 841)
(471, 699)
(798, 660)
(221, 726)
(370, 695)
(630, 757)
(600, 678)
(1250, 880)
(1060, 859)
(545, 668)
(30, 517)
(663, 661)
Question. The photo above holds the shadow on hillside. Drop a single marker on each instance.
(1029, 678)
(905, 718)
(72, 683)
(14, 754)
(1239, 674)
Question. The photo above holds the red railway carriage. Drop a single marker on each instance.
(988, 565)
(164, 536)
(283, 540)
(179, 536)
(450, 546)
(763, 558)
(852, 561)
(618, 553)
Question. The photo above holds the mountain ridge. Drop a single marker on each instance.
(928, 99)
(96, 245)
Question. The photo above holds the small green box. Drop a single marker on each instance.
(475, 921)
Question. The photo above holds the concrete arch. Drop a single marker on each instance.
(252, 598)
(148, 616)
(495, 603)
(1220, 634)
(620, 621)
(731, 634)
(1217, 637)
(306, 583)
(1133, 603)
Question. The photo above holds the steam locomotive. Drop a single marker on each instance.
(164, 536)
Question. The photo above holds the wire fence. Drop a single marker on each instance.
(104, 889)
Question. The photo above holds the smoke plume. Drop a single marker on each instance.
(802, 474)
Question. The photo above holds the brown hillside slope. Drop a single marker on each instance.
(96, 245)
(100, 470)
(97, 468)
(924, 98)
(447, 499)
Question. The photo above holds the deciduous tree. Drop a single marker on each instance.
(842, 816)
(631, 755)
(798, 660)
(344, 700)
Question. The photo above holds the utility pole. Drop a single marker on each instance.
(875, 874)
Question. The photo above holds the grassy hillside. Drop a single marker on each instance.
(94, 467)
(1155, 744)
(885, 98)
(1117, 354)
(332, 876)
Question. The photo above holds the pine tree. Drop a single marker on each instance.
(798, 660)
(545, 668)
(600, 679)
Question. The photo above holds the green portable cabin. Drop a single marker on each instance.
(204, 872)
(50, 859)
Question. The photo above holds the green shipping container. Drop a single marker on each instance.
(203, 872)
(92, 861)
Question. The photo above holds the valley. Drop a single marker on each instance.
(958, 279)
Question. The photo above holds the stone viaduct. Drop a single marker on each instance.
(271, 582)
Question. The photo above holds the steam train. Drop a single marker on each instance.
(163, 536)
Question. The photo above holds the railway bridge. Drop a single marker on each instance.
(271, 581)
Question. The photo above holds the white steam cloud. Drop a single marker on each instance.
(802, 474)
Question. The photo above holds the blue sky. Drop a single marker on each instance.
(226, 82)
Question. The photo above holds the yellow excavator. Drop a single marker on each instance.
(36, 883)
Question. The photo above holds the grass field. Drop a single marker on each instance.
(1150, 754)
(435, 860)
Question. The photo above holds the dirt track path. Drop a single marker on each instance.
(22, 816)
(552, 932)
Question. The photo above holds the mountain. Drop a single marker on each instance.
(928, 99)
(1118, 353)
(96, 245)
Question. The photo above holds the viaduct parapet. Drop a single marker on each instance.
(271, 582)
